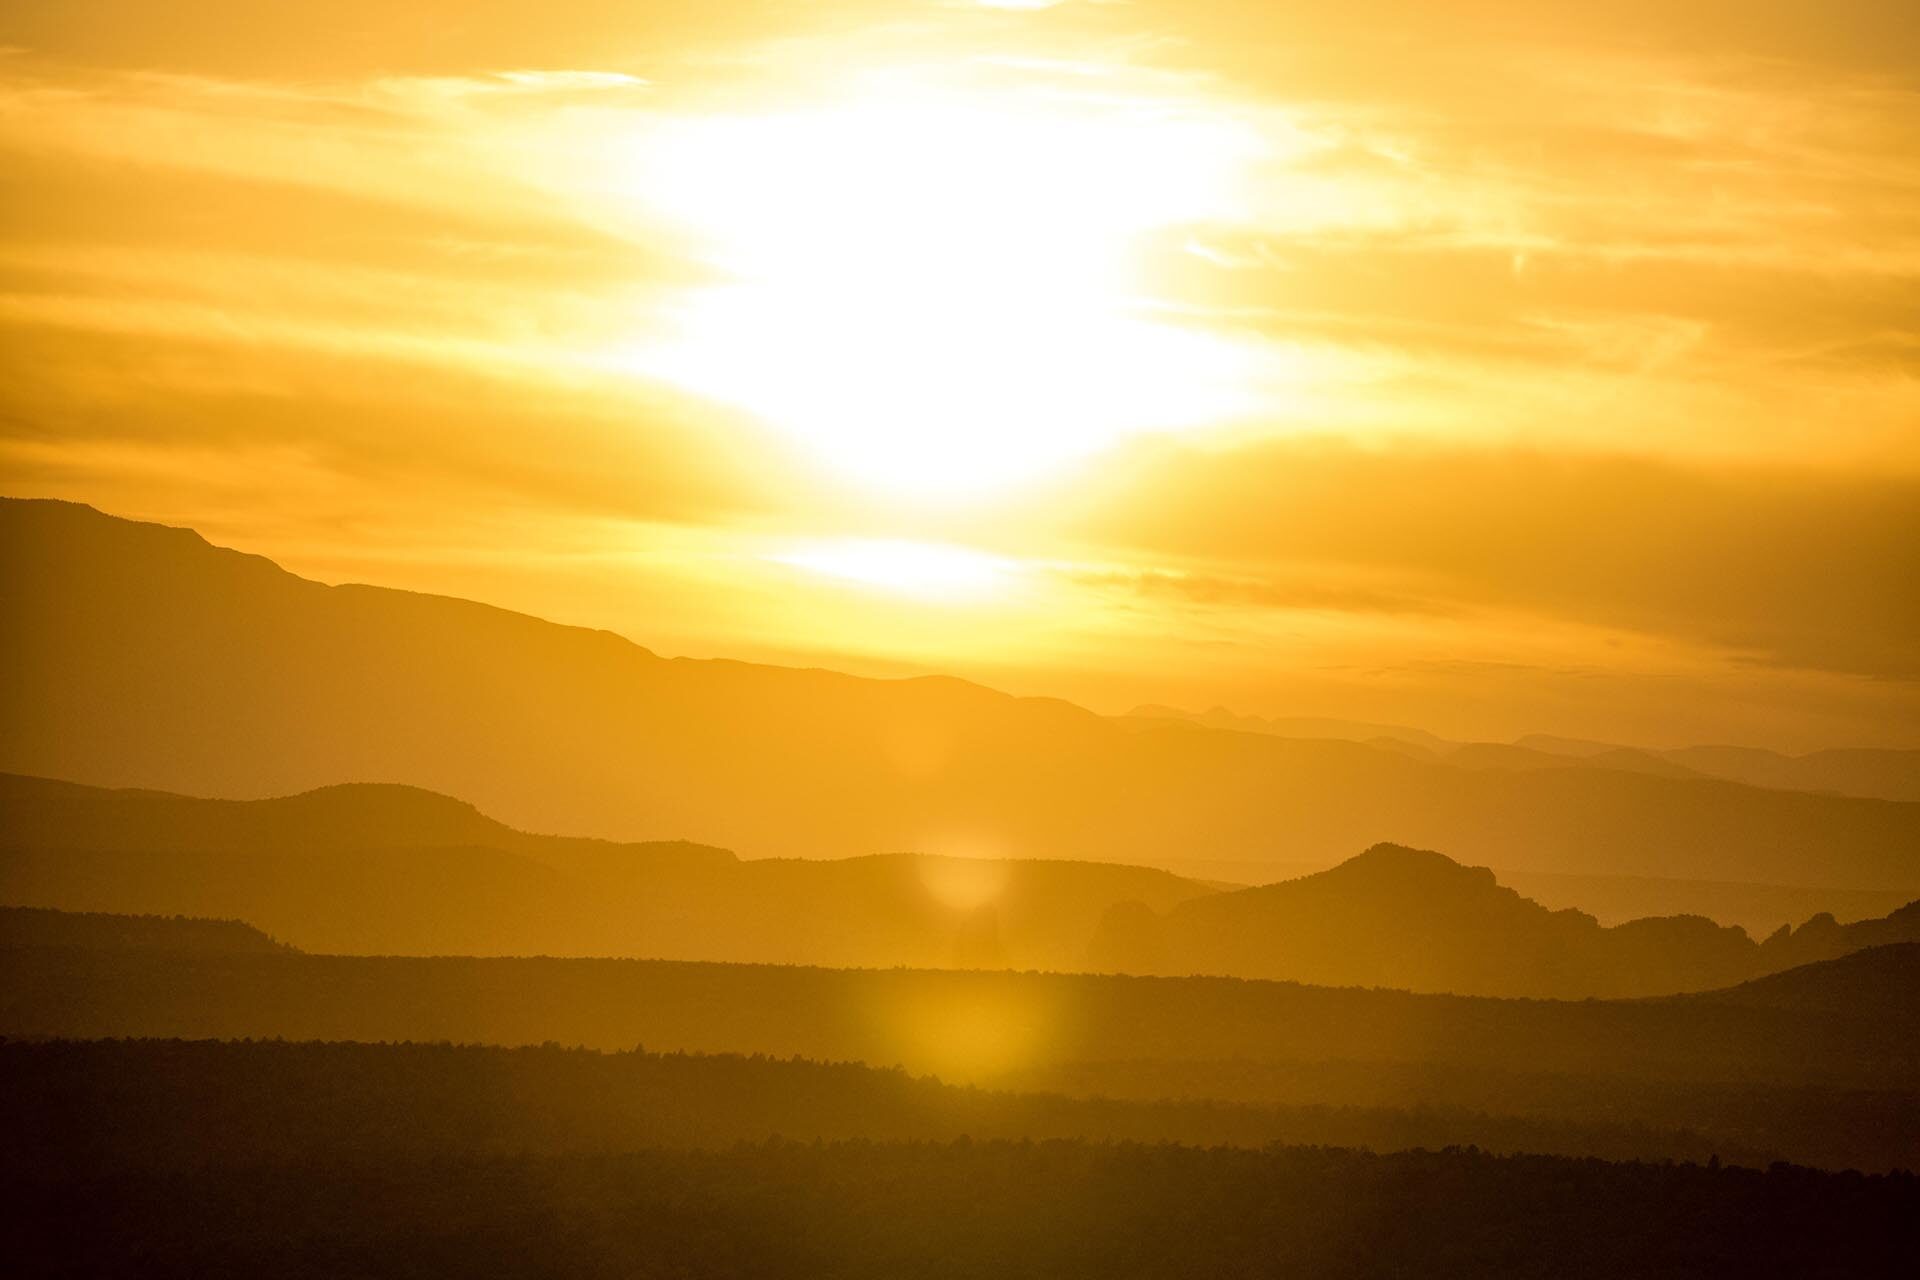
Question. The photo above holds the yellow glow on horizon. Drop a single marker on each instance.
(926, 570)
(963, 884)
(934, 289)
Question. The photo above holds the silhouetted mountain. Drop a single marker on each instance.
(1634, 760)
(40, 927)
(1404, 747)
(1760, 909)
(1824, 938)
(1553, 744)
(1847, 771)
(1416, 920)
(1299, 726)
(136, 655)
(374, 869)
(389, 869)
(1865, 772)
(1504, 755)
(47, 814)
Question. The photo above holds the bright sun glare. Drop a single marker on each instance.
(929, 571)
(934, 289)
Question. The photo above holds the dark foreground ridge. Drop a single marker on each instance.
(1811, 1080)
(91, 1107)
(967, 1209)
(172, 1158)
(970, 1023)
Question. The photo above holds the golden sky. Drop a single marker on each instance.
(1495, 367)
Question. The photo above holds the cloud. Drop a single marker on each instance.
(135, 420)
(1788, 566)
(1615, 307)
(1276, 588)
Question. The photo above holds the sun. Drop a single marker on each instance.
(936, 289)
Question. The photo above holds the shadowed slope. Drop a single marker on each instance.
(1882, 982)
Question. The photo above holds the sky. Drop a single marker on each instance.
(1485, 366)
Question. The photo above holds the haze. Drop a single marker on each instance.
(1101, 639)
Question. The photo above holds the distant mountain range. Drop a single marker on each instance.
(1415, 920)
(1393, 735)
(137, 655)
(1854, 771)
(368, 869)
(376, 869)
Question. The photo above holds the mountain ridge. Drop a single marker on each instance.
(1881, 773)
(136, 658)
(1416, 920)
(379, 877)
(392, 870)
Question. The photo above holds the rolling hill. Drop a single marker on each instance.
(383, 869)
